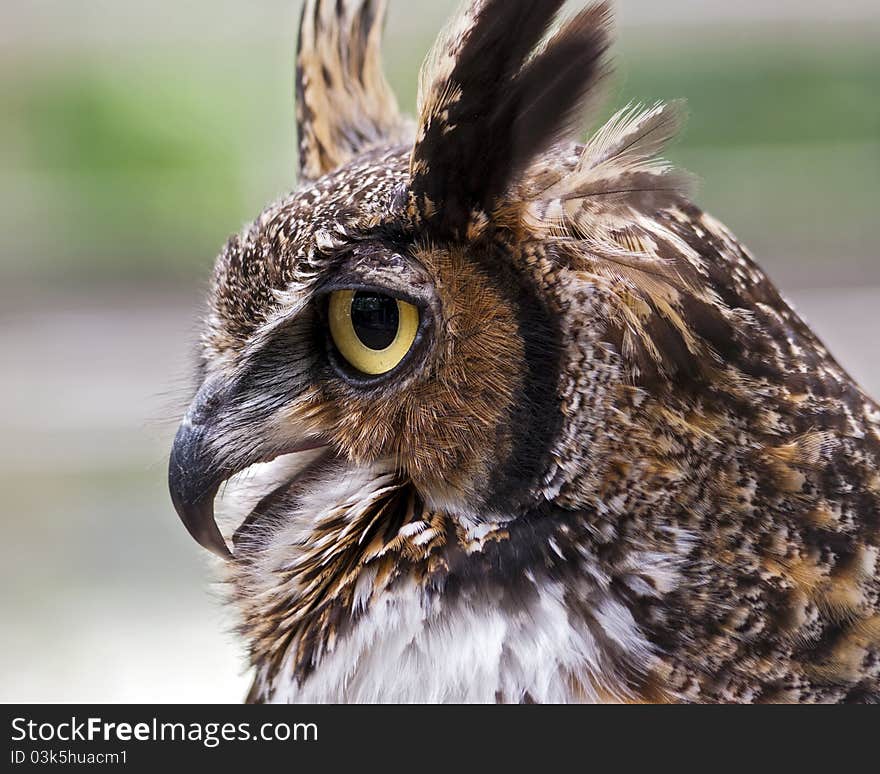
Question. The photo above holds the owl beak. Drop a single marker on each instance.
(213, 443)
(194, 477)
(193, 491)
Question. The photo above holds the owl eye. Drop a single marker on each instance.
(372, 331)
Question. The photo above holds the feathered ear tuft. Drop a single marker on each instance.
(487, 108)
(344, 103)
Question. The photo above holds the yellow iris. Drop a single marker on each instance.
(349, 335)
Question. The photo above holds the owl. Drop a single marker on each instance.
(500, 416)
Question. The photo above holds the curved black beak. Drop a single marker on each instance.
(215, 441)
(193, 483)
(194, 472)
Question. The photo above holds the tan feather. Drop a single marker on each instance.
(345, 105)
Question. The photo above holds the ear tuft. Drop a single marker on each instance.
(488, 105)
(344, 104)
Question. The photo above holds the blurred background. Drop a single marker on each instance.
(135, 136)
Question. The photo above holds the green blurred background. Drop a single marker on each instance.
(134, 137)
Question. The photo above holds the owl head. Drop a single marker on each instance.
(469, 303)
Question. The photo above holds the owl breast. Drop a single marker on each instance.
(424, 611)
(411, 648)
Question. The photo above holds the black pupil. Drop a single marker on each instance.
(375, 319)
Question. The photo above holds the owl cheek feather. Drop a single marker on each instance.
(432, 434)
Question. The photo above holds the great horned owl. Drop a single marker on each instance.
(523, 422)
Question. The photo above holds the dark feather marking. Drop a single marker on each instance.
(546, 98)
(509, 110)
(536, 419)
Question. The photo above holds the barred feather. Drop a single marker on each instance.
(344, 103)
